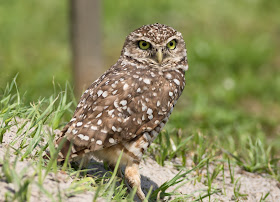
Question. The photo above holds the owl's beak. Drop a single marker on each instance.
(159, 55)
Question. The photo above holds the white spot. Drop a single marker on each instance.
(135, 76)
(156, 121)
(114, 128)
(170, 94)
(143, 117)
(158, 103)
(138, 90)
(120, 129)
(99, 92)
(139, 121)
(98, 115)
(92, 139)
(168, 76)
(74, 131)
(111, 140)
(176, 81)
(105, 94)
(103, 131)
(155, 94)
(144, 107)
(147, 81)
(69, 130)
(99, 142)
(129, 110)
(93, 127)
(111, 112)
(125, 86)
(126, 119)
(74, 119)
(151, 117)
(114, 92)
(149, 128)
(116, 104)
(99, 122)
(114, 85)
(83, 137)
(123, 102)
(149, 111)
(86, 91)
(79, 124)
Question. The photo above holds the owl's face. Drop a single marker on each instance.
(156, 45)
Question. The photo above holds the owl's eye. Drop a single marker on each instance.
(144, 45)
(171, 44)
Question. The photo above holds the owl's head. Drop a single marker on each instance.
(156, 46)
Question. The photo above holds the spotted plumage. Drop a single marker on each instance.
(126, 108)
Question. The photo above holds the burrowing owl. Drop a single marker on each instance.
(129, 104)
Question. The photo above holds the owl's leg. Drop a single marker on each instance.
(133, 178)
(112, 167)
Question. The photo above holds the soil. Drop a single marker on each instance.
(252, 186)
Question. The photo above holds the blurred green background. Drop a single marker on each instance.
(233, 81)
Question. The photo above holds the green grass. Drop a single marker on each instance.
(254, 156)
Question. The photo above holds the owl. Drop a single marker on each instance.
(126, 108)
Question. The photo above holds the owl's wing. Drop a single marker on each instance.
(117, 108)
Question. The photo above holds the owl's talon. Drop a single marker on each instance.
(132, 178)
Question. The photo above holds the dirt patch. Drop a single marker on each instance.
(252, 186)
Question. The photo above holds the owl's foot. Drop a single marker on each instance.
(132, 177)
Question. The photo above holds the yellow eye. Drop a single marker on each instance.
(171, 44)
(144, 45)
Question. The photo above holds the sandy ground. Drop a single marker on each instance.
(253, 185)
